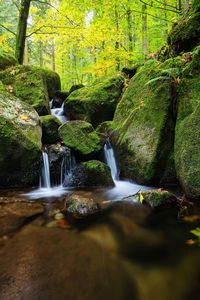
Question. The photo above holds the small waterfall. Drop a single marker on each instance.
(59, 112)
(110, 159)
(45, 180)
(66, 167)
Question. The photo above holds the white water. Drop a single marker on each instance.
(45, 180)
(122, 188)
(58, 112)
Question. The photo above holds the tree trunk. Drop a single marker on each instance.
(144, 30)
(117, 41)
(21, 30)
(53, 57)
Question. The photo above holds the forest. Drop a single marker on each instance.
(99, 149)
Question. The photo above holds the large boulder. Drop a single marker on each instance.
(32, 85)
(95, 103)
(92, 173)
(187, 134)
(81, 137)
(50, 125)
(20, 135)
(6, 61)
(185, 34)
(144, 121)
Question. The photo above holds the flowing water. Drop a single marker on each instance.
(58, 112)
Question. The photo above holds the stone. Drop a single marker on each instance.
(20, 135)
(50, 125)
(81, 137)
(97, 102)
(92, 173)
(6, 61)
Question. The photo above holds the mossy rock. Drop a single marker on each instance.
(20, 135)
(105, 130)
(32, 85)
(157, 198)
(185, 35)
(81, 137)
(95, 103)
(144, 121)
(187, 136)
(6, 61)
(50, 125)
(90, 174)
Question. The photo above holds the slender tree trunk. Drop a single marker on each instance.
(26, 53)
(21, 30)
(144, 30)
(53, 57)
(130, 35)
(41, 54)
(117, 41)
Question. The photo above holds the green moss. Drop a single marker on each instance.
(97, 102)
(20, 136)
(145, 125)
(157, 198)
(50, 125)
(80, 136)
(32, 85)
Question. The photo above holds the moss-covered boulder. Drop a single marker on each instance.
(90, 174)
(81, 137)
(20, 136)
(95, 103)
(6, 61)
(185, 34)
(157, 198)
(50, 125)
(144, 121)
(32, 85)
(187, 133)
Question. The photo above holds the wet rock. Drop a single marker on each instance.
(50, 125)
(75, 88)
(59, 98)
(81, 137)
(157, 198)
(90, 174)
(14, 213)
(80, 208)
(20, 135)
(97, 102)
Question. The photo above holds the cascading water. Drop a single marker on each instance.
(58, 112)
(123, 188)
(45, 180)
(110, 160)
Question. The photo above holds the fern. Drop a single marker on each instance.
(168, 74)
(157, 79)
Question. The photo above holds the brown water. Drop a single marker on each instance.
(126, 252)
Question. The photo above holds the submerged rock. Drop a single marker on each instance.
(81, 137)
(32, 85)
(97, 102)
(144, 123)
(80, 208)
(20, 136)
(50, 125)
(90, 174)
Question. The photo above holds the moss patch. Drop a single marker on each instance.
(6, 60)
(80, 136)
(97, 102)
(50, 125)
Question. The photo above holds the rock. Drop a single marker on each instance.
(97, 102)
(89, 174)
(105, 130)
(187, 133)
(144, 122)
(50, 125)
(31, 85)
(60, 157)
(6, 61)
(15, 212)
(157, 198)
(185, 34)
(81, 137)
(75, 87)
(130, 72)
(20, 135)
(59, 98)
(82, 207)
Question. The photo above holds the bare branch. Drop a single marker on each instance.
(162, 8)
(153, 16)
(9, 30)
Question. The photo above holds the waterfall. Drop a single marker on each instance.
(110, 159)
(66, 167)
(59, 112)
(45, 180)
